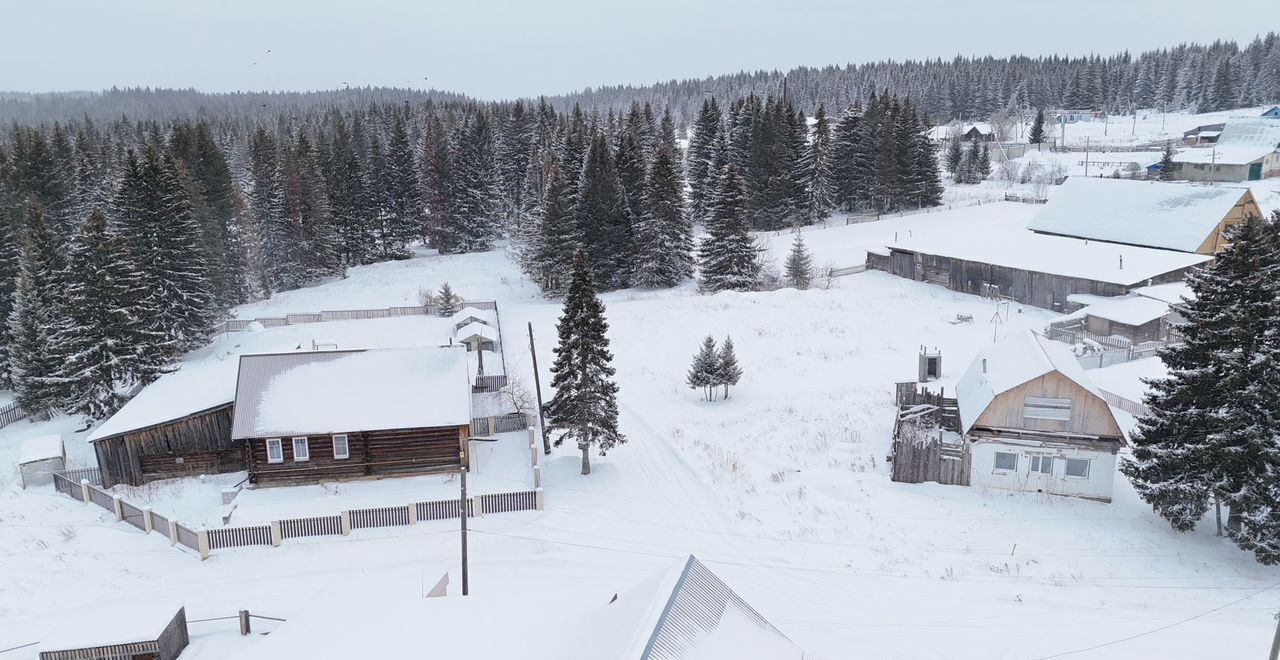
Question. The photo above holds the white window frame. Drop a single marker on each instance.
(1038, 462)
(1088, 467)
(346, 447)
(278, 443)
(1046, 408)
(304, 455)
(996, 461)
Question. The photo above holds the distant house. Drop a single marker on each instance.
(1073, 116)
(468, 315)
(180, 425)
(1247, 150)
(1273, 113)
(1033, 422)
(323, 415)
(132, 633)
(1156, 214)
(1202, 135)
(477, 336)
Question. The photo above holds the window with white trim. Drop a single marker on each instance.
(1039, 407)
(340, 448)
(1042, 464)
(275, 450)
(1006, 460)
(301, 450)
(1078, 467)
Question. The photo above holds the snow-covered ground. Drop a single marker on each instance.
(1150, 126)
(782, 489)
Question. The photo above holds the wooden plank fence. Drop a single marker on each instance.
(238, 537)
(91, 475)
(66, 486)
(187, 537)
(133, 515)
(442, 509)
(918, 460)
(102, 498)
(524, 500)
(1128, 405)
(499, 424)
(318, 526)
(11, 413)
(386, 516)
(159, 523)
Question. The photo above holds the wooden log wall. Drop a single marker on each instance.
(371, 454)
(196, 444)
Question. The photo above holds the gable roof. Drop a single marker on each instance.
(322, 392)
(467, 314)
(1008, 363)
(475, 329)
(196, 387)
(1171, 216)
(684, 613)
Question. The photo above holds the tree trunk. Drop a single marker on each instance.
(586, 457)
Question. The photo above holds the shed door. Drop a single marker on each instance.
(1255, 171)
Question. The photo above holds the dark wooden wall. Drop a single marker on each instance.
(1024, 286)
(197, 444)
(371, 454)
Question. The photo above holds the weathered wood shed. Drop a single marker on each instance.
(128, 634)
(319, 416)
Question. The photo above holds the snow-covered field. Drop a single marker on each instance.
(782, 489)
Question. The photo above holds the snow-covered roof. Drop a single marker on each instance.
(1224, 154)
(1174, 293)
(41, 448)
(471, 313)
(196, 387)
(1003, 243)
(473, 330)
(1259, 131)
(139, 621)
(1173, 216)
(323, 392)
(685, 613)
(1008, 363)
(492, 363)
(1129, 310)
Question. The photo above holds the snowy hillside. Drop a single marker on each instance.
(782, 489)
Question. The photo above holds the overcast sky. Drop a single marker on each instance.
(500, 48)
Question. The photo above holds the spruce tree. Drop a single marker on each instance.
(309, 226)
(704, 372)
(663, 237)
(471, 223)
(402, 216)
(584, 409)
(954, 155)
(1212, 431)
(38, 311)
(280, 244)
(982, 164)
(602, 218)
(698, 162)
(846, 151)
(449, 302)
(1167, 166)
(11, 232)
(817, 169)
(728, 371)
(799, 265)
(558, 238)
(728, 257)
(1037, 133)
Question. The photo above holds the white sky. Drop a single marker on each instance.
(504, 48)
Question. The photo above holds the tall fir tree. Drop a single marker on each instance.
(557, 238)
(402, 215)
(472, 221)
(1037, 133)
(799, 265)
(39, 309)
(1168, 168)
(817, 169)
(728, 258)
(699, 166)
(602, 218)
(280, 243)
(663, 236)
(584, 409)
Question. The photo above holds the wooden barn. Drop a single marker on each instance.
(1156, 214)
(995, 256)
(180, 425)
(134, 633)
(328, 415)
(1033, 422)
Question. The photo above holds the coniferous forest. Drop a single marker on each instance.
(132, 220)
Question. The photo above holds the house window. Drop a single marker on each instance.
(301, 450)
(1006, 461)
(275, 451)
(1038, 407)
(1042, 464)
(340, 449)
(1078, 467)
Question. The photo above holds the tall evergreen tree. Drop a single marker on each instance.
(698, 160)
(402, 215)
(817, 169)
(308, 221)
(584, 409)
(38, 311)
(728, 257)
(1167, 166)
(280, 248)
(558, 238)
(663, 237)
(471, 223)
(601, 215)
(799, 265)
(1037, 133)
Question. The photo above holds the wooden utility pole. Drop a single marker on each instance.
(462, 510)
(537, 391)
(1275, 641)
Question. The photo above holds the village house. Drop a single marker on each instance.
(1033, 422)
(1154, 214)
(1272, 113)
(1202, 135)
(1247, 150)
(1077, 115)
(468, 315)
(477, 336)
(314, 416)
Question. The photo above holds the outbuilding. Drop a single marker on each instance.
(40, 458)
(328, 415)
(1247, 150)
(1033, 422)
(130, 633)
(477, 336)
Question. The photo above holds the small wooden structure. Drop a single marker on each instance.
(152, 642)
(197, 443)
(40, 458)
(477, 336)
(328, 415)
(930, 365)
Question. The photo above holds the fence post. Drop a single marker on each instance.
(491, 431)
(539, 500)
(147, 525)
(84, 490)
(173, 532)
(344, 520)
(244, 622)
(275, 533)
(537, 476)
(477, 506)
(413, 514)
(117, 504)
(202, 541)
